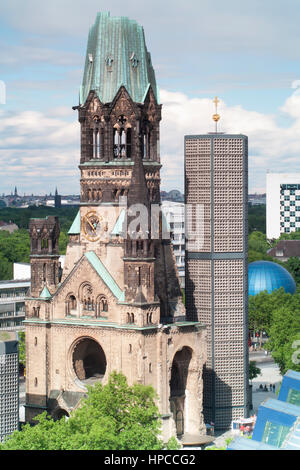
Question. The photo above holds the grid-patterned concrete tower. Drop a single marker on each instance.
(9, 384)
(216, 183)
(118, 304)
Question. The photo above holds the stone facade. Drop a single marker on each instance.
(117, 305)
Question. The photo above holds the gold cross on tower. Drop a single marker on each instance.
(216, 116)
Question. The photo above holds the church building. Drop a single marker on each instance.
(117, 304)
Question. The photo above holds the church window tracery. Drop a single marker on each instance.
(122, 138)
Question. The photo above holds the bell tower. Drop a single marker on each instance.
(119, 303)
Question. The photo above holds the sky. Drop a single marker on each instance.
(246, 53)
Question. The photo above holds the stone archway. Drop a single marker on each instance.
(59, 413)
(89, 361)
(178, 386)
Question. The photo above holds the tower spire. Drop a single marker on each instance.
(216, 116)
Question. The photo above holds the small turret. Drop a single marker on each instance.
(44, 236)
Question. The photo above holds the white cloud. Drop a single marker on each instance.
(40, 149)
(270, 146)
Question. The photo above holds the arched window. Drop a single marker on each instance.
(71, 304)
(130, 318)
(102, 306)
(86, 297)
(122, 139)
(128, 143)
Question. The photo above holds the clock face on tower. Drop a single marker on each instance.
(91, 223)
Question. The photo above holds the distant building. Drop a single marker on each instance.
(257, 199)
(173, 195)
(9, 384)
(174, 213)
(8, 226)
(12, 303)
(57, 200)
(283, 203)
(285, 249)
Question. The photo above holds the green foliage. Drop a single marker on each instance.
(63, 241)
(254, 371)
(288, 236)
(258, 246)
(283, 331)
(257, 242)
(183, 296)
(257, 218)
(6, 268)
(15, 247)
(114, 416)
(261, 307)
(21, 217)
(22, 350)
(172, 444)
(293, 266)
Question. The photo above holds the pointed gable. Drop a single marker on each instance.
(105, 275)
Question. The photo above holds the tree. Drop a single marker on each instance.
(261, 308)
(114, 416)
(293, 266)
(257, 241)
(283, 331)
(254, 371)
(257, 218)
(22, 350)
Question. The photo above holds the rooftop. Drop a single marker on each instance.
(117, 55)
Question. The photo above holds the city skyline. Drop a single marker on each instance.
(199, 51)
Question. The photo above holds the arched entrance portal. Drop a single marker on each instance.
(59, 414)
(178, 385)
(89, 361)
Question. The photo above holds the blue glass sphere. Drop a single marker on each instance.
(269, 276)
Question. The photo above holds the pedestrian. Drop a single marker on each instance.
(273, 388)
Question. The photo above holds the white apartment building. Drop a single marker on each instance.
(174, 214)
(283, 203)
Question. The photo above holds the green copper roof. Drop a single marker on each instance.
(75, 227)
(117, 55)
(45, 294)
(105, 275)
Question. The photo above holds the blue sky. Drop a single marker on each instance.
(247, 53)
